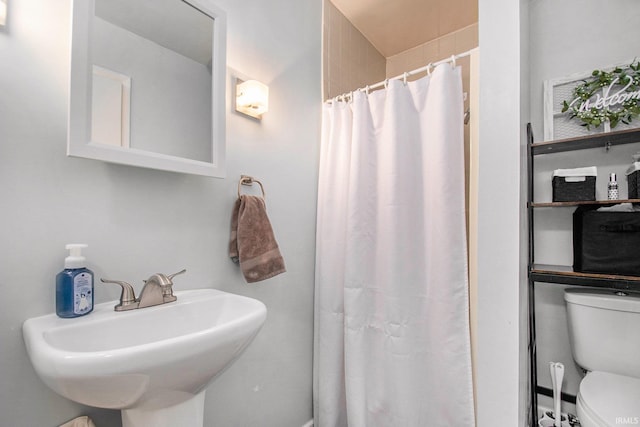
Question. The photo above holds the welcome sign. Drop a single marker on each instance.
(607, 97)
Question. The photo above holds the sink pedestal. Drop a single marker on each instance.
(188, 413)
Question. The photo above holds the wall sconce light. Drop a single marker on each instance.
(252, 98)
(3, 13)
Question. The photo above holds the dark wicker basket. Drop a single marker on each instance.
(633, 180)
(564, 191)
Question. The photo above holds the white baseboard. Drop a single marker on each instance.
(309, 423)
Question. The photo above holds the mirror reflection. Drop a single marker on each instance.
(152, 79)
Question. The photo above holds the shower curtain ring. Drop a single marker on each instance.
(366, 90)
(404, 77)
(453, 61)
(386, 83)
(429, 68)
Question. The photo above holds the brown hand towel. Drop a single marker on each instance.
(252, 243)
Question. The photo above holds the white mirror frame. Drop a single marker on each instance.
(79, 133)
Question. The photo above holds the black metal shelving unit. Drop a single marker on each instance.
(565, 275)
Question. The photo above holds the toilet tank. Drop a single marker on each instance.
(604, 329)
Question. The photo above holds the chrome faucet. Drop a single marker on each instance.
(157, 289)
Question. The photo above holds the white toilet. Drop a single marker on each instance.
(604, 328)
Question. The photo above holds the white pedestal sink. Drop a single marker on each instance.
(152, 363)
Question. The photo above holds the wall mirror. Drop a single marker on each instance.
(147, 84)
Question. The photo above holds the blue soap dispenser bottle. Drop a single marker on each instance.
(74, 285)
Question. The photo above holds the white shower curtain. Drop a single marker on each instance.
(392, 344)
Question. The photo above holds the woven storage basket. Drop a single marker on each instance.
(633, 180)
(564, 191)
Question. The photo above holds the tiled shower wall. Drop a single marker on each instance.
(435, 50)
(443, 47)
(351, 61)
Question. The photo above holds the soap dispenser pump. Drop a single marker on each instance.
(74, 285)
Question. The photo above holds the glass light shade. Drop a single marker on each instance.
(252, 98)
(3, 13)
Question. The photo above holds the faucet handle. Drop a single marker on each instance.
(167, 291)
(127, 297)
(171, 276)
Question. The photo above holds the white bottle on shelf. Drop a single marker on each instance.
(612, 188)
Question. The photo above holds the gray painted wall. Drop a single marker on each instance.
(569, 37)
(139, 221)
(525, 114)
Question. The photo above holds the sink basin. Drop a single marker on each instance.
(152, 363)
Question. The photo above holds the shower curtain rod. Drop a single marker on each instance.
(404, 75)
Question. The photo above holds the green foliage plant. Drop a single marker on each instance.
(612, 96)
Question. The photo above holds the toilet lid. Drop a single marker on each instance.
(614, 399)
